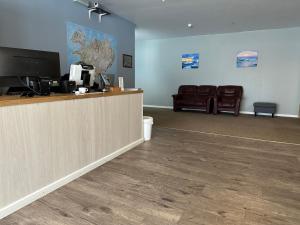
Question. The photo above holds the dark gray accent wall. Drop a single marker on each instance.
(41, 25)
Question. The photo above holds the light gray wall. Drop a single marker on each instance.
(299, 97)
(41, 25)
(277, 78)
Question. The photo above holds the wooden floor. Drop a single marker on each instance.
(184, 178)
(260, 127)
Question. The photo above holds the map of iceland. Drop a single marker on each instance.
(91, 47)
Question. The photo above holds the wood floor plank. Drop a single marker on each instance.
(180, 178)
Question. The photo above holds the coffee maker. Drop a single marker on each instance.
(83, 74)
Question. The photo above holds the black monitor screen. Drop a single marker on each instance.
(15, 63)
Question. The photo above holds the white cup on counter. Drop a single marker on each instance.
(83, 90)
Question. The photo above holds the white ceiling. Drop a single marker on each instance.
(155, 19)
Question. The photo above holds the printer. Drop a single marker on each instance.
(83, 74)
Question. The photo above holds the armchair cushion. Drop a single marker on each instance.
(228, 99)
(227, 102)
(230, 91)
(187, 99)
(201, 102)
(192, 96)
(187, 89)
(206, 90)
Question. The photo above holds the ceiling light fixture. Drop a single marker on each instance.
(190, 25)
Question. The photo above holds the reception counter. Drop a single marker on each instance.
(46, 142)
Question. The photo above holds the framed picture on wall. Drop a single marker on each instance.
(127, 61)
(190, 61)
(247, 59)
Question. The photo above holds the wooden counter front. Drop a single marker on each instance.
(46, 142)
(17, 100)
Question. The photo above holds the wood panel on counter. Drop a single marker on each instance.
(7, 100)
(42, 143)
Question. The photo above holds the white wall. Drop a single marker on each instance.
(277, 78)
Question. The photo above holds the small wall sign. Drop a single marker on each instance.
(127, 61)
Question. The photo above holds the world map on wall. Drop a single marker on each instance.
(91, 47)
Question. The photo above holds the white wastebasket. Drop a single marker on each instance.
(148, 122)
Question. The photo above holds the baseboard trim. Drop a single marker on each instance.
(242, 112)
(266, 114)
(13, 207)
(158, 106)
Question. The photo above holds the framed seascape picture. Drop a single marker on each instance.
(190, 61)
(127, 61)
(247, 59)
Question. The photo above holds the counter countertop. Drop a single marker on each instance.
(7, 100)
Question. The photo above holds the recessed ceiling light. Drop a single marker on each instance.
(190, 25)
(163, 0)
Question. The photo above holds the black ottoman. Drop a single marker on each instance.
(265, 107)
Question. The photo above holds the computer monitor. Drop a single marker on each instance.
(16, 64)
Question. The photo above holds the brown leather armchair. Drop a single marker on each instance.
(228, 98)
(194, 97)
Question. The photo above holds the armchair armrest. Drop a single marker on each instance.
(176, 107)
(237, 106)
(209, 103)
(215, 108)
(177, 96)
